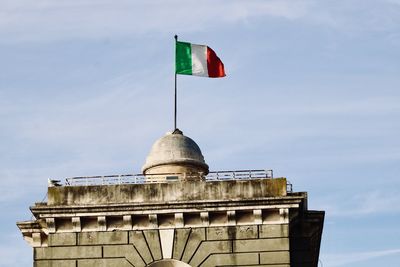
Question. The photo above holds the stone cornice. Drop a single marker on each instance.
(288, 201)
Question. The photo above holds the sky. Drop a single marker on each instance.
(312, 91)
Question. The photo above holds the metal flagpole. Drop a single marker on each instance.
(176, 98)
(176, 40)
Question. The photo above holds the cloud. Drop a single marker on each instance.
(44, 20)
(364, 106)
(361, 204)
(99, 130)
(346, 259)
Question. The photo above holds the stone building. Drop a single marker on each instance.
(176, 213)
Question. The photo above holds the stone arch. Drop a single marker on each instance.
(168, 263)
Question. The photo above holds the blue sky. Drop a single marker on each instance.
(312, 92)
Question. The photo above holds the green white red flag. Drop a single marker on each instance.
(198, 60)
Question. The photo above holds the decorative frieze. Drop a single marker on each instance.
(76, 224)
(127, 219)
(109, 223)
(51, 225)
(102, 225)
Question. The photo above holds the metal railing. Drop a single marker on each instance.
(289, 187)
(167, 177)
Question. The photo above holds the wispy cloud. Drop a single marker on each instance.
(361, 204)
(91, 134)
(363, 106)
(346, 259)
(44, 20)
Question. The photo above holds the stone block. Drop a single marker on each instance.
(76, 252)
(232, 232)
(197, 235)
(210, 247)
(153, 241)
(55, 263)
(103, 238)
(181, 236)
(246, 232)
(62, 239)
(267, 265)
(104, 263)
(217, 233)
(231, 259)
(36, 239)
(274, 230)
(167, 242)
(275, 257)
(137, 239)
(272, 244)
(126, 251)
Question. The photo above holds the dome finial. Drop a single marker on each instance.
(175, 155)
(177, 131)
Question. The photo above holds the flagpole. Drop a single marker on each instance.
(176, 98)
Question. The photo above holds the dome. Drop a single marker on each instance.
(175, 153)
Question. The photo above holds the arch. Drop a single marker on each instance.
(168, 263)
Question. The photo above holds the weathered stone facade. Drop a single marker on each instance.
(204, 246)
(202, 223)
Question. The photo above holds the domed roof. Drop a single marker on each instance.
(175, 149)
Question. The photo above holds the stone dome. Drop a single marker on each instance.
(175, 153)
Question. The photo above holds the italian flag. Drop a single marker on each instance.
(198, 60)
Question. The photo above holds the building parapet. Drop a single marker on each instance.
(186, 190)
